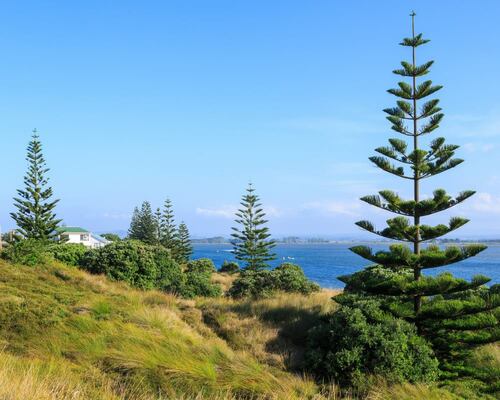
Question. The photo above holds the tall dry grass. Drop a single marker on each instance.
(138, 341)
(273, 330)
(66, 334)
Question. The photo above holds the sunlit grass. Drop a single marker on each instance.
(65, 334)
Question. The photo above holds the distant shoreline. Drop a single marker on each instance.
(372, 242)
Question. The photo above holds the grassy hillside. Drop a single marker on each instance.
(65, 334)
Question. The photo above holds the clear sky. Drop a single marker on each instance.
(192, 99)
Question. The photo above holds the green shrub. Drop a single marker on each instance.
(201, 265)
(229, 267)
(28, 252)
(171, 278)
(139, 264)
(68, 253)
(200, 284)
(261, 284)
(254, 284)
(361, 340)
(199, 279)
(290, 278)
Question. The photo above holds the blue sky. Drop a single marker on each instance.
(192, 99)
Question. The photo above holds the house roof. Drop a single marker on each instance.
(100, 239)
(71, 229)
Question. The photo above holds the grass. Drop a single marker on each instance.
(273, 330)
(65, 334)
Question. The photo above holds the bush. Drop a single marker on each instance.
(68, 253)
(261, 284)
(28, 252)
(254, 284)
(200, 284)
(357, 341)
(229, 267)
(139, 264)
(290, 278)
(199, 279)
(171, 278)
(201, 265)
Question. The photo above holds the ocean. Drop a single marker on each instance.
(323, 263)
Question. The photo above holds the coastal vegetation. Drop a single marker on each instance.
(139, 319)
(453, 315)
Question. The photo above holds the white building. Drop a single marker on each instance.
(74, 234)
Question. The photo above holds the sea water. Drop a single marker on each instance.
(323, 263)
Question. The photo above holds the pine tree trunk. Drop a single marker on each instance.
(416, 180)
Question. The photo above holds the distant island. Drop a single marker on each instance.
(320, 240)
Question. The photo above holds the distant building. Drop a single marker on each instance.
(74, 234)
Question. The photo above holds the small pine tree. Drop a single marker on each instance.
(251, 242)
(159, 232)
(143, 226)
(35, 216)
(184, 248)
(455, 315)
(135, 231)
(168, 228)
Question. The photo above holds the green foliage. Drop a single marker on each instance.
(251, 241)
(357, 341)
(168, 230)
(453, 314)
(201, 265)
(68, 253)
(139, 264)
(198, 279)
(264, 283)
(143, 226)
(183, 248)
(291, 278)
(152, 267)
(200, 284)
(28, 252)
(229, 267)
(171, 277)
(35, 216)
(430, 257)
(254, 284)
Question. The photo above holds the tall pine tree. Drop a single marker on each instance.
(454, 314)
(184, 248)
(159, 233)
(168, 228)
(35, 216)
(251, 241)
(143, 226)
(135, 231)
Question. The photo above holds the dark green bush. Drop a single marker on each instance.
(355, 342)
(171, 278)
(229, 267)
(201, 265)
(260, 284)
(139, 264)
(151, 267)
(27, 252)
(68, 253)
(199, 279)
(200, 284)
(254, 284)
(290, 278)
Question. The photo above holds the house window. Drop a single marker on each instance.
(84, 237)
